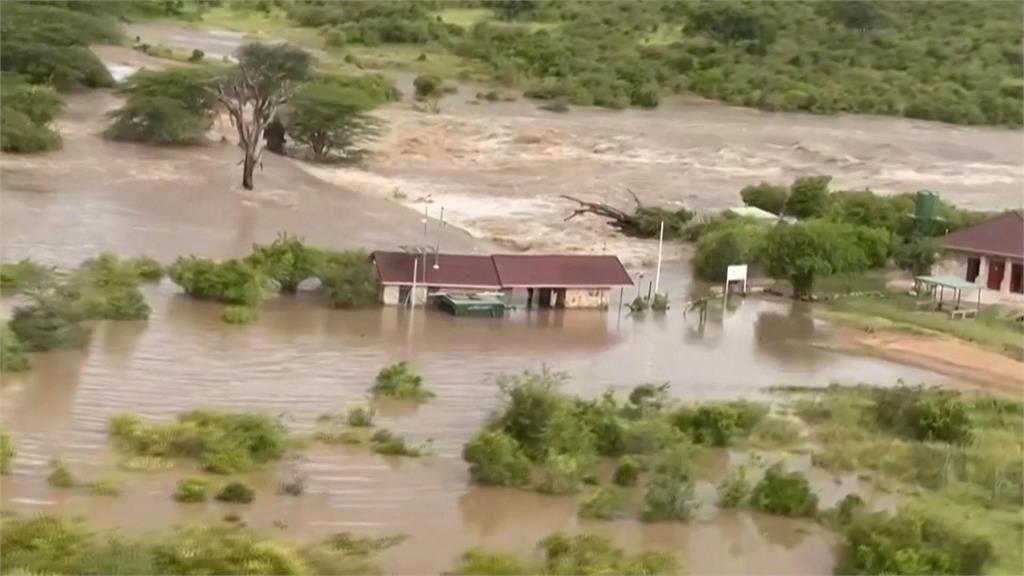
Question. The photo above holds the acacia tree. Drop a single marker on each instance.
(264, 80)
(330, 118)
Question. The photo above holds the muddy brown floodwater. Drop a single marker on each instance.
(497, 169)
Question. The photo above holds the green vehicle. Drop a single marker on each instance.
(472, 305)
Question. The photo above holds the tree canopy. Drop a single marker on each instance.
(173, 106)
(331, 119)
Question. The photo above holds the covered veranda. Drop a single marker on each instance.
(935, 287)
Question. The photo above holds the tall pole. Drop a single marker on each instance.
(425, 219)
(661, 242)
(437, 250)
(412, 295)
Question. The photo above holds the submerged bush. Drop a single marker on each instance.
(105, 487)
(60, 476)
(391, 444)
(52, 320)
(668, 497)
(172, 106)
(287, 261)
(908, 543)
(230, 281)
(563, 473)
(734, 491)
(237, 492)
(6, 452)
(349, 278)
(12, 354)
(359, 416)
(737, 243)
(531, 402)
(399, 381)
(223, 442)
(627, 472)
(605, 503)
(191, 490)
(238, 315)
(786, 494)
(23, 274)
(496, 458)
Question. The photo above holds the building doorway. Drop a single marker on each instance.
(996, 271)
(973, 268)
(1017, 278)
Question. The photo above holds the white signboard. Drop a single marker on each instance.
(736, 273)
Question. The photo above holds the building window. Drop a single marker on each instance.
(973, 268)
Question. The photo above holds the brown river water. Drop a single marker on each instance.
(496, 168)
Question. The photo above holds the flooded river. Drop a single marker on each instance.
(497, 168)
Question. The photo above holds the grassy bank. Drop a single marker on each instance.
(993, 328)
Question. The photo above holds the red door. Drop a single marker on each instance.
(996, 269)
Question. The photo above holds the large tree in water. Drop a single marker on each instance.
(264, 79)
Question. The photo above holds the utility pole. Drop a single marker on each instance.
(437, 250)
(661, 242)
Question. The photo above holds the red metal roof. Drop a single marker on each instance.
(560, 270)
(454, 270)
(503, 271)
(1000, 236)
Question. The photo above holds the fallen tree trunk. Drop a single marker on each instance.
(644, 222)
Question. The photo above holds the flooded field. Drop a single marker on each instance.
(301, 360)
(498, 170)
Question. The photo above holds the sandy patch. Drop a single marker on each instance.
(945, 355)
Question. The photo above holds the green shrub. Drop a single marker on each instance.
(18, 134)
(105, 487)
(917, 255)
(713, 425)
(52, 320)
(808, 197)
(605, 503)
(191, 490)
(238, 315)
(734, 491)
(349, 278)
(627, 472)
(660, 303)
(391, 444)
(6, 452)
(287, 261)
(531, 403)
(496, 458)
(146, 268)
(60, 476)
(196, 56)
(769, 197)
(910, 544)
(563, 473)
(774, 432)
(480, 562)
(639, 304)
(28, 113)
(226, 550)
(737, 243)
(920, 414)
(398, 381)
(359, 416)
(237, 492)
(668, 497)
(786, 494)
(172, 106)
(12, 354)
(230, 281)
(223, 442)
(848, 509)
(650, 435)
(589, 554)
(428, 86)
(648, 398)
(23, 274)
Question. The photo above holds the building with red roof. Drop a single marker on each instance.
(989, 254)
(550, 280)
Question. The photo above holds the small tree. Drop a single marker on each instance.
(27, 115)
(917, 255)
(252, 93)
(330, 118)
(808, 197)
(167, 107)
(429, 89)
(769, 197)
(739, 243)
(806, 251)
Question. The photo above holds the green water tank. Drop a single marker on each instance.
(925, 206)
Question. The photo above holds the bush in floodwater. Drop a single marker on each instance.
(605, 503)
(786, 494)
(583, 554)
(399, 381)
(650, 435)
(224, 442)
(173, 106)
(60, 476)
(908, 543)
(52, 320)
(639, 304)
(922, 414)
(287, 261)
(105, 487)
(627, 472)
(238, 315)
(6, 452)
(774, 432)
(531, 403)
(12, 354)
(23, 274)
(713, 425)
(191, 490)
(564, 473)
(359, 416)
(230, 281)
(668, 497)
(848, 509)
(237, 492)
(734, 491)
(496, 458)
(660, 303)
(391, 444)
(481, 562)
(348, 277)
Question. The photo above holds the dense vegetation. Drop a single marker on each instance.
(955, 61)
(49, 545)
(223, 443)
(834, 233)
(581, 555)
(27, 112)
(399, 381)
(172, 106)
